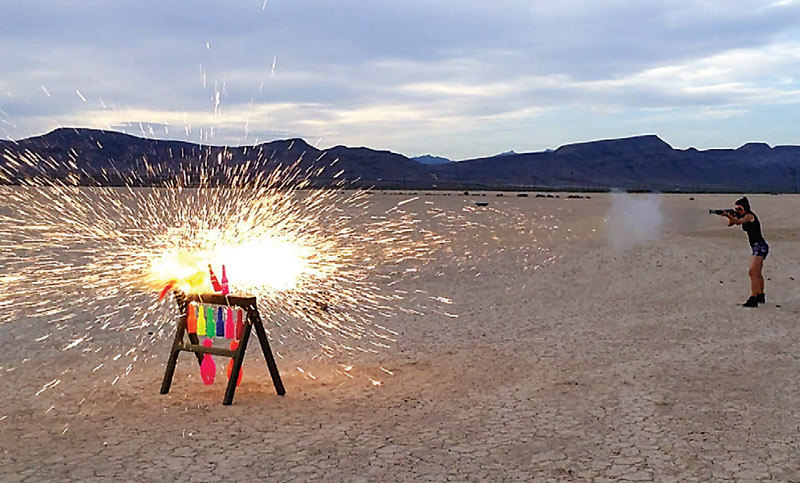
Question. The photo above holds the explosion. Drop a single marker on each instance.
(86, 259)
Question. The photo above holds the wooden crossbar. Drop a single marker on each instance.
(253, 321)
(201, 349)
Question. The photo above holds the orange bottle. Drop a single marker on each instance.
(191, 319)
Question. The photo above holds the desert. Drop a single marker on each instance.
(570, 346)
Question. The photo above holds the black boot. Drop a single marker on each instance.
(762, 299)
(751, 302)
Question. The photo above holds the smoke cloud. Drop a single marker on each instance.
(633, 219)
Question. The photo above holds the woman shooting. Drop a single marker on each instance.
(750, 224)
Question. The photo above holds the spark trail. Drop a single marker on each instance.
(91, 259)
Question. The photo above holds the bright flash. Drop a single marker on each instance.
(85, 259)
(266, 265)
(269, 264)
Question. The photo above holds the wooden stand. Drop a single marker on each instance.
(248, 304)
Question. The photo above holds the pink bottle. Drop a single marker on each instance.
(230, 326)
(225, 288)
(208, 369)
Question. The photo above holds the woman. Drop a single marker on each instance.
(750, 224)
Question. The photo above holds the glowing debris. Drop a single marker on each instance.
(324, 265)
(49, 385)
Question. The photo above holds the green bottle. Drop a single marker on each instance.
(211, 327)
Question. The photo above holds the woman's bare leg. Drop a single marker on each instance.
(756, 278)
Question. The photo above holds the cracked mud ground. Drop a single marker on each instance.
(600, 366)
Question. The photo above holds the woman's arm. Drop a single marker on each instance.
(733, 220)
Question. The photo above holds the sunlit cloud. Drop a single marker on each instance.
(461, 82)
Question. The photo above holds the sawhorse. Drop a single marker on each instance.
(248, 304)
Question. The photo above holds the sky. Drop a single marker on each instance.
(459, 79)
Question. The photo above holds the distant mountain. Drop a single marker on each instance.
(505, 153)
(429, 159)
(89, 156)
(646, 162)
(637, 163)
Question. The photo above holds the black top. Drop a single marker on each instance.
(753, 230)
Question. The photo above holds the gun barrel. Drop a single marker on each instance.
(720, 212)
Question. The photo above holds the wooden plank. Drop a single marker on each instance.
(201, 349)
(219, 299)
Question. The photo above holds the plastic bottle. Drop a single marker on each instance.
(214, 282)
(225, 288)
(208, 369)
(191, 319)
(230, 326)
(239, 324)
(211, 328)
(201, 321)
(220, 323)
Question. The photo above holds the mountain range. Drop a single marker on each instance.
(89, 156)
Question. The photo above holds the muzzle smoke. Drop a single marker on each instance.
(633, 219)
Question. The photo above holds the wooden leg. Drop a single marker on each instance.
(173, 355)
(195, 340)
(238, 358)
(262, 338)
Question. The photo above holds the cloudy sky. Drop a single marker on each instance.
(459, 79)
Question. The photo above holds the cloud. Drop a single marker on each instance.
(407, 76)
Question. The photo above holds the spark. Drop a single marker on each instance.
(88, 260)
(49, 385)
(75, 342)
(325, 264)
(46, 91)
(80, 95)
(444, 300)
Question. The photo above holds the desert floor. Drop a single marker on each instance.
(576, 347)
